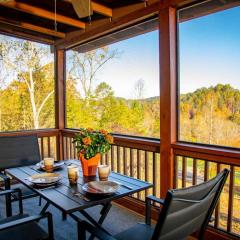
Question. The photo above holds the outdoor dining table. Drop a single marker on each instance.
(71, 199)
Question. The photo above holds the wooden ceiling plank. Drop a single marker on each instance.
(15, 32)
(75, 38)
(99, 8)
(32, 27)
(43, 13)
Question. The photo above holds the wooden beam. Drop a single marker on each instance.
(32, 27)
(106, 27)
(16, 32)
(60, 64)
(168, 96)
(99, 8)
(23, 7)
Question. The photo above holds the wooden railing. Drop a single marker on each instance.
(134, 157)
(140, 158)
(195, 164)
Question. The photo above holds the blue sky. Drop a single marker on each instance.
(139, 59)
(209, 54)
(210, 50)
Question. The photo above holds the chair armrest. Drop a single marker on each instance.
(30, 219)
(5, 192)
(149, 200)
(155, 199)
(84, 226)
(19, 192)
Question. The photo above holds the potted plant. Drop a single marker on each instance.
(90, 145)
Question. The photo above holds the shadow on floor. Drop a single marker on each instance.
(117, 220)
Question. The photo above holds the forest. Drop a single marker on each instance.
(207, 115)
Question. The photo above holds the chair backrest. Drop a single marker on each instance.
(18, 151)
(188, 210)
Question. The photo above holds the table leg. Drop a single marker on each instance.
(97, 224)
(8, 199)
(44, 209)
(104, 212)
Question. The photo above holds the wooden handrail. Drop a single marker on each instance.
(125, 141)
(39, 132)
(211, 153)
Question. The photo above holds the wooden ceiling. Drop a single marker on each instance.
(38, 16)
(35, 19)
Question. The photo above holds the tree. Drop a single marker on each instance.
(139, 89)
(85, 66)
(27, 62)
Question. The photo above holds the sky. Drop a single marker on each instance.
(209, 54)
(138, 59)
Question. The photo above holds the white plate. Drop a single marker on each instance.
(44, 179)
(100, 187)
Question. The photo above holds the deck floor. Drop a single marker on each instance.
(117, 220)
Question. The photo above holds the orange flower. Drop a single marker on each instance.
(87, 140)
(104, 132)
(89, 129)
(109, 138)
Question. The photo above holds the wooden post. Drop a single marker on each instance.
(168, 95)
(60, 98)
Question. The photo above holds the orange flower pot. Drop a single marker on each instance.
(89, 166)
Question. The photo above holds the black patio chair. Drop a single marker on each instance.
(185, 211)
(16, 151)
(22, 226)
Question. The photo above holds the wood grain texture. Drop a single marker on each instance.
(14, 31)
(168, 99)
(32, 27)
(23, 7)
(60, 64)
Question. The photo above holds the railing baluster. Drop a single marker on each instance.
(175, 182)
(206, 170)
(131, 163)
(49, 147)
(67, 149)
(230, 200)
(70, 144)
(74, 151)
(139, 167)
(146, 170)
(184, 172)
(118, 159)
(154, 173)
(216, 222)
(125, 161)
(42, 148)
(194, 177)
(112, 158)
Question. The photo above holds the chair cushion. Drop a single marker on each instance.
(138, 232)
(28, 231)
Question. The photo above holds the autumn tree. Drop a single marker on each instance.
(85, 66)
(28, 63)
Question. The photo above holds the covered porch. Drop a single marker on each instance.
(167, 162)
